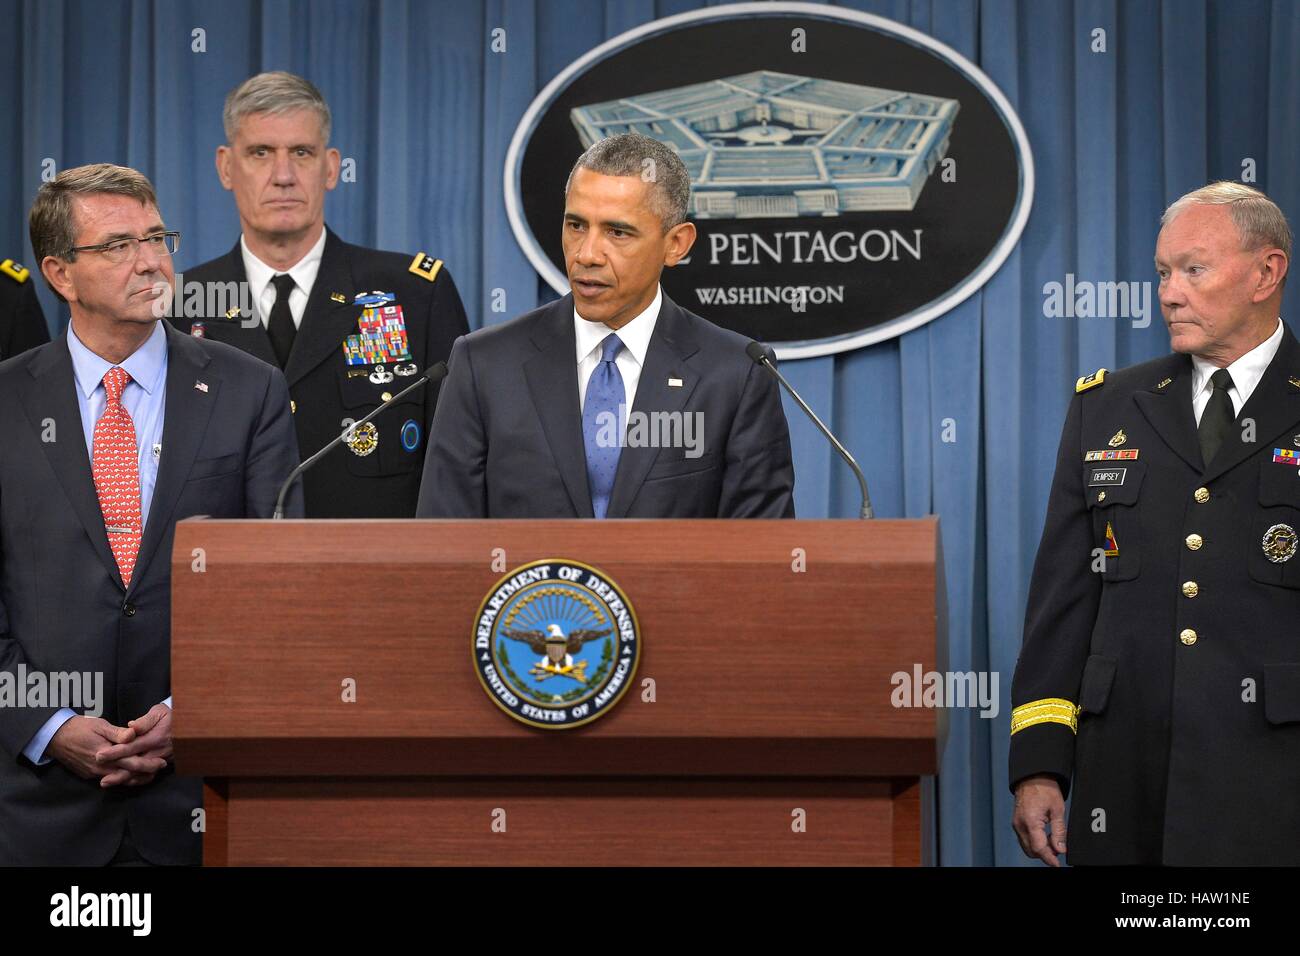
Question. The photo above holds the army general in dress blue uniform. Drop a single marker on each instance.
(349, 326)
(1159, 681)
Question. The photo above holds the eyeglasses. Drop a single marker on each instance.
(120, 250)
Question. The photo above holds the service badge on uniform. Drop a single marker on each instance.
(363, 439)
(410, 434)
(199, 330)
(1280, 543)
(556, 643)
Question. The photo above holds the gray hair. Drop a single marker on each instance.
(274, 93)
(51, 225)
(631, 154)
(1259, 221)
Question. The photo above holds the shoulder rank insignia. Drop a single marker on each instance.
(425, 266)
(13, 270)
(1090, 381)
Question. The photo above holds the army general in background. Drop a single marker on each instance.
(534, 421)
(22, 324)
(1159, 679)
(349, 326)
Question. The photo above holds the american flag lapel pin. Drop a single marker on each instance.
(674, 382)
(201, 386)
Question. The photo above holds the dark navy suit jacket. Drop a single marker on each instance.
(507, 440)
(63, 608)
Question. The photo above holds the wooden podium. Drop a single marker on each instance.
(771, 738)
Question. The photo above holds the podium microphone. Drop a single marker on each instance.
(759, 355)
(434, 375)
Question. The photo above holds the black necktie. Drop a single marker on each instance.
(280, 326)
(1217, 417)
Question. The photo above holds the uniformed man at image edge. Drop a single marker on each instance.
(350, 327)
(1159, 681)
(22, 323)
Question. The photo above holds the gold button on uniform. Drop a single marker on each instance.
(1191, 589)
(1202, 495)
(386, 396)
(1194, 542)
(1188, 637)
(293, 407)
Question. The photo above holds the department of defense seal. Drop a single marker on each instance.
(556, 643)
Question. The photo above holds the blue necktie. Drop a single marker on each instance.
(602, 425)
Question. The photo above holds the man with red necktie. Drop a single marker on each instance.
(119, 428)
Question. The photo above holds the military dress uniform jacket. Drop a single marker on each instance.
(1164, 684)
(384, 482)
(22, 323)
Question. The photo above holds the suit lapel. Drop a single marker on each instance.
(1274, 407)
(52, 397)
(1169, 409)
(552, 377)
(185, 419)
(247, 334)
(325, 322)
(670, 345)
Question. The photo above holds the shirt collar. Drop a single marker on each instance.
(1246, 371)
(146, 365)
(303, 271)
(635, 336)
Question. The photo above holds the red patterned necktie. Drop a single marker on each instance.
(116, 469)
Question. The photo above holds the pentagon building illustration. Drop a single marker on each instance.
(768, 144)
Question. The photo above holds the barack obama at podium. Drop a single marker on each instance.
(612, 402)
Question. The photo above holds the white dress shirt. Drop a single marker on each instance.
(635, 337)
(1246, 373)
(303, 273)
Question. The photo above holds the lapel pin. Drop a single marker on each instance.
(338, 297)
(1163, 383)
(201, 386)
(1295, 382)
(232, 313)
(674, 383)
(157, 450)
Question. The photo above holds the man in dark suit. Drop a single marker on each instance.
(349, 326)
(534, 418)
(22, 324)
(115, 431)
(1159, 680)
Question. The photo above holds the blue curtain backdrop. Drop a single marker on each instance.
(1187, 91)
